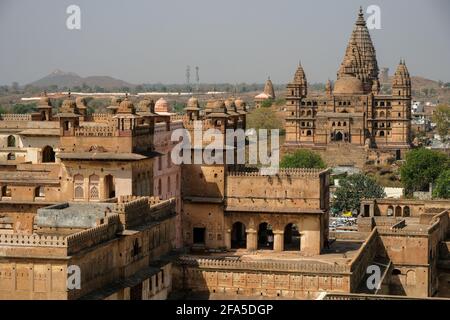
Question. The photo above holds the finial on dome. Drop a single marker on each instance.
(69, 94)
(360, 10)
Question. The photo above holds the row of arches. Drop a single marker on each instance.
(399, 211)
(93, 191)
(265, 237)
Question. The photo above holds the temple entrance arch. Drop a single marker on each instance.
(265, 236)
(338, 136)
(238, 236)
(291, 237)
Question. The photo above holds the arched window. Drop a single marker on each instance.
(11, 156)
(94, 181)
(11, 141)
(344, 124)
(381, 133)
(406, 211)
(78, 186)
(48, 155)
(308, 133)
(382, 114)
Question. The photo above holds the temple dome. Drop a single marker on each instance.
(348, 85)
(162, 105)
(68, 104)
(193, 102)
(126, 106)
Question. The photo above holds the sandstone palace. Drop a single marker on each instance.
(352, 111)
(99, 193)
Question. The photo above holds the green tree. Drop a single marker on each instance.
(421, 168)
(24, 108)
(441, 117)
(263, 118)
(442, 185)
(302, 158)
(267, 103)
(354, 188)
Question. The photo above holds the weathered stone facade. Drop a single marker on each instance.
(352, 111)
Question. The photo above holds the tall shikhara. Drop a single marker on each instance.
(360, 58)
(353, 112)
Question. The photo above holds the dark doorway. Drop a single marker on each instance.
(398, 155)
(199, 235)
(291, 238)
(110, 189)
(136, 292)
(265, 236)
(48, 155)
(238, 236)
(338, 136)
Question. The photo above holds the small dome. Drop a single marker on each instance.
(162, 105)
(193, 102)
(68, 104)
(126, 106)
(348, 85)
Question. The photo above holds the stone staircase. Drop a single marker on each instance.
(344, 154)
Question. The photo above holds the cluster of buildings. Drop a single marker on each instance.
(93, 207)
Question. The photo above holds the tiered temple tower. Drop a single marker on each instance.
(352, 111)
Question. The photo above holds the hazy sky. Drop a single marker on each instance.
(230, 40)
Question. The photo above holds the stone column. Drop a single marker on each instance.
(278, 240)
(228, 238)
(252, 239)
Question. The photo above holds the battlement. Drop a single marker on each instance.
(272, 266)
(102, 117)
(95, 131)
(15, 117)
(135, 210)
(296, 172)
(33, 240)
(93, 236)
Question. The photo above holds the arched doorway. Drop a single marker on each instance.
(238, 236)
(110, 189)
(291, 237)
(338, 136)
(390, 211)
(265, 236)
(11, 141)
(398, 211)
(48, 155)
(406, 211)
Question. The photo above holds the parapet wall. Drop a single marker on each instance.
(15, 117)
(290, 189)
(93, 236)
(134, 210)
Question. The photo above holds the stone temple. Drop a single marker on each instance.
(352, 113)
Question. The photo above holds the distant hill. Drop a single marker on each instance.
(70, 80)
